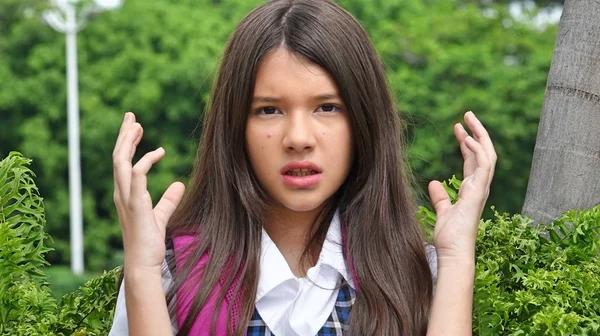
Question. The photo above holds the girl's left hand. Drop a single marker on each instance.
(456, 225)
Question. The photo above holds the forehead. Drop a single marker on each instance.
(283, 73)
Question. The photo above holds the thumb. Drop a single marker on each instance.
(167, 204)
(439, 197)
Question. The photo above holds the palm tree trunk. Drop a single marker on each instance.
(565, 172)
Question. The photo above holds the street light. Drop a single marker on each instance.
(65, 17)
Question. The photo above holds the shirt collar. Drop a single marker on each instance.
(332, 253)
(274, 269)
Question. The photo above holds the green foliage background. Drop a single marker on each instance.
(27, 307)
(158, 59)
(533, 280)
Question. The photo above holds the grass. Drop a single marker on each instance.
(63, 281)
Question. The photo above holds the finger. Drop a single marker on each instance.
(168, 203)
(122, 161)
(479, 131)
(128, 120)
(481, 175)
(121, 168)
(460, 132)
(482, 136)
(468, 156)
(141, 168)
(439, 197)
(136, 142)
(129, 144)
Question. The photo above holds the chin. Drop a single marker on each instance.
(302, 205)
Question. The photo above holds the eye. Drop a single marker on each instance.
(268, 110)
(328, 108)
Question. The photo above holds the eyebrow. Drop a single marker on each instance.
(267, 99)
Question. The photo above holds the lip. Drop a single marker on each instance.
(301, 181)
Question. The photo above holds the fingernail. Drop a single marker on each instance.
(126, 115)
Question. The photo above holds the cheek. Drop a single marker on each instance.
(267, 139)
(260, 142)
(346, 149)
(340, 138)
(256, 135)
(339, 146)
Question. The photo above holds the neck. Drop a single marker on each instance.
(289, 230)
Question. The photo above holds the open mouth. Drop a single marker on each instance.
(301, 172)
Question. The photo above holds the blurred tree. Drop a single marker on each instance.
(447, 57)
(158, 58)
(566, 164)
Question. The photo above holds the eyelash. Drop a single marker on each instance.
(261, 110)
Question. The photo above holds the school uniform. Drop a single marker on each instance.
(318, 304)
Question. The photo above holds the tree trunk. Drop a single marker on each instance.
(565, 172)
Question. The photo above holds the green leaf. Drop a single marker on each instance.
(554, 236)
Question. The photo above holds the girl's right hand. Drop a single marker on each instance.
(142, 225)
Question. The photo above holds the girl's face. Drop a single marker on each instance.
(298, 135)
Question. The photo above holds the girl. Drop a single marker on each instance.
(299, 218)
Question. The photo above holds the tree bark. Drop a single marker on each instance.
(565, 172)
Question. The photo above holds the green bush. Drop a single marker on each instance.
(26, 305)
(529, 280)
(527, 284)
(535, 280)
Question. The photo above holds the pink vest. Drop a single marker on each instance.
(201, 326)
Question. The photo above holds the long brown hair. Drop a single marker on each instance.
(225, 205)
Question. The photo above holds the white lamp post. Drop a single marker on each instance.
(66, 18)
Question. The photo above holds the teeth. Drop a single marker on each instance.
(301, 172)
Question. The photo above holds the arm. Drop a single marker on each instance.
(120, 325)
(143, 228)
(455, 232)
(147, 311)
(453, 300)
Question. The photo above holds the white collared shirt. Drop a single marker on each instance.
(300, 306)
(287, 304)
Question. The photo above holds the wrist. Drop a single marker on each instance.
(139, 283)
(457, 272)
(458, 262)
(136, 271)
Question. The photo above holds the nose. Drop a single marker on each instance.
(299, 133)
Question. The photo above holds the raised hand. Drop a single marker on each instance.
(143, 226)
(456, 225)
